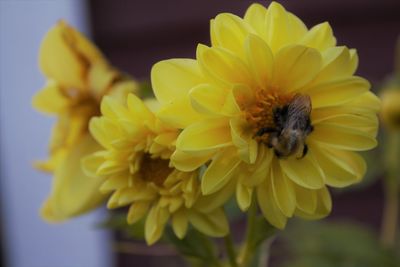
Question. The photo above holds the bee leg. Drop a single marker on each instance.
(278, 154)
(305, 150)
(265, 130)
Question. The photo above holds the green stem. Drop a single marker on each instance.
(391, 192)
(248, 250)
(264, 257)
(230, 250)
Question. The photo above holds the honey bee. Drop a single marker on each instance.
(292, 126)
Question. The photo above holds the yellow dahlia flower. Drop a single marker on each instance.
(275, 107)
(77, 78)
(136, 166)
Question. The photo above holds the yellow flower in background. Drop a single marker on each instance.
(78, 77)
(136, 167)
(390, 113)
(275, 107)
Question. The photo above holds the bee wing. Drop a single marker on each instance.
(299, 112)
(300, 106)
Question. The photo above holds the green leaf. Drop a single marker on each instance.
(263, 230)
(194, 245)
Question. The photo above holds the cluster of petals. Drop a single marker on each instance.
(78, 77)
(262, 59)
(135, 167)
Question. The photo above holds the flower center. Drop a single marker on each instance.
(154, 170)
(261, 116)
(280, 121)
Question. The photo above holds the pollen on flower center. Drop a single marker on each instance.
(154, 170)
(260, 115)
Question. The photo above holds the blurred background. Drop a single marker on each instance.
(134, 35)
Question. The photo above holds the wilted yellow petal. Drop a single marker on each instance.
(73, 192)
(50, 99)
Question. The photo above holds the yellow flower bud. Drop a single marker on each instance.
(390, 113)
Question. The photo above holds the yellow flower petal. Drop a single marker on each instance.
(208, 99)
(208, 203)
(368, 101)
(337, 91)
(112, 109)
(155, 224)
(179, 113)
(115, 182)
(342, 137)
(242, 138)
(243, 196)
(74, 193)
(260, 60)
(337, 64)
(101, 77)
(295, 66)
(205, 136)
(180, 223)
(283, 191)
(277, 23)
(91, 163)
(319, 37)
(324, 206)
(268, 206)
(306, 199)
(213, 224)
(137, 211)
(367, 124)
(304, 172)
(255, 17)
(223, 67)
(173, 78)
(189, 162)
(261, 168)
(50, 99)
(104, 130)
(229, 32)
(341, 168)
(220, 171)
(64, 56)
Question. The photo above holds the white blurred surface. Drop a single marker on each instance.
(24, 133)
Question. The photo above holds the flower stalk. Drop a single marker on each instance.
(391, 191)
(248, 250)
(230, 250)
